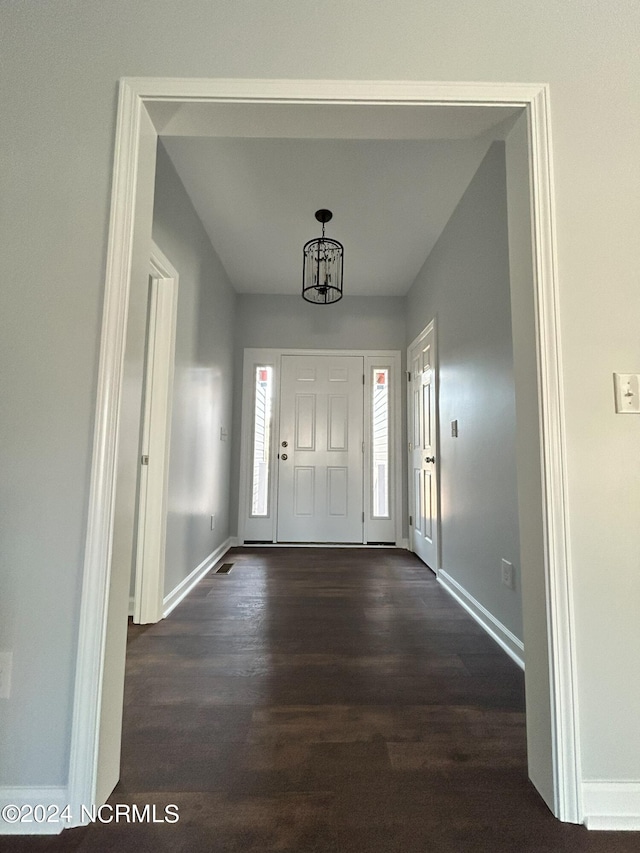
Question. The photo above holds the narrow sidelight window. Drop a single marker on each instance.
(380, 443)
(262, 441)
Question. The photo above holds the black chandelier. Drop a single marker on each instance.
(323, 260)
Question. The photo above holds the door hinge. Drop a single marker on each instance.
(408, 376)
(410, 447)
(363, 446)
(363, 516)
(363, 378)
(410, 521)
(144, 460)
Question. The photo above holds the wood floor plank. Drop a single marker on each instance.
(325, 701)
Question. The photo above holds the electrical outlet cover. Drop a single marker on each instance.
(507, 574)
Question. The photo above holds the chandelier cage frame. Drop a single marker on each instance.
(323, 266)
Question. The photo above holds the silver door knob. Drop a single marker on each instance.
(429, 458)
(285, 444)
(284, 457)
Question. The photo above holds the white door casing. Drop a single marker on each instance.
(320, 457)
(386, 529)
(129, 187)
(422, 420)
(156, 436)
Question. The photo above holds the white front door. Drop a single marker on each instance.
(320, 452)
(422, 418)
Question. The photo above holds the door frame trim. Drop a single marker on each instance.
(156, 439)
(272, 356)
(134, 95)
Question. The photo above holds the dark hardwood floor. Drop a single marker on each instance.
(329, 700)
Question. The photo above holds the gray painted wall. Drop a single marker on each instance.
(288, 322)
(61, 63)
(355, 322)
(465, 285)
(199, 467)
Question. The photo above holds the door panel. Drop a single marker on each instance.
(305, 422)
(422, 439)
(425, 411)
(303, 491)
(427, 505)
(338, 423)
(337, 491)
(418, 500)
(338, 374)
(320, 492)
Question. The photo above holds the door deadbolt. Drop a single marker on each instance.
(284, 457)
(285, 444)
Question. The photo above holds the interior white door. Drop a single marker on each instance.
(422, 417)
(320, 453)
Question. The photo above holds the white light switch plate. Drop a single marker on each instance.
(627, 392)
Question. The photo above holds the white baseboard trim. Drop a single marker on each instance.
(46, 819)
(132, 605)
(611, 806)
(502, 635)
(185, 586)
(403, 543)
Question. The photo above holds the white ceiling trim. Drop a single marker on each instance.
(371, 92)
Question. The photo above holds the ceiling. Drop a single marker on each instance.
(392, 176)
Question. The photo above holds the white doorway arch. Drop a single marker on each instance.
(143, 99)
